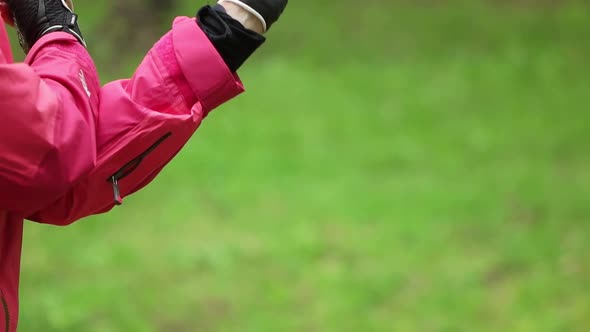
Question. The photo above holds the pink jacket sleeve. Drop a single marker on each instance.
(182, 73)
(47, 123)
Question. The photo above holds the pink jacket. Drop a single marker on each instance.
(55, 117)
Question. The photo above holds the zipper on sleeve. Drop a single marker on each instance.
(130, 167)
(116, 191)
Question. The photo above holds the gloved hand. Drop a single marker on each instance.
(267, 11)
(36, 18)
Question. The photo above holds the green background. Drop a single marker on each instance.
(394, 166)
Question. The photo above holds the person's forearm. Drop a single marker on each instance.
(189, 72)
(180, 80)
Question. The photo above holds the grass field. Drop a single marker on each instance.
(426, 169)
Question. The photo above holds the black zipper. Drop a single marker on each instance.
(131, 166)
(6, 312)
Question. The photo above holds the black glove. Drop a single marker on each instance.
(36, 18)
(268, 10)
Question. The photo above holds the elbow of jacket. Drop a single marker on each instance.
(27, 195)
(55, 207)
(54, 178)
(54, 216)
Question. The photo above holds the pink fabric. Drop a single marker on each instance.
(5, 52)
(61, 133)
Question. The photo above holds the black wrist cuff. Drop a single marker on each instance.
(230, 38)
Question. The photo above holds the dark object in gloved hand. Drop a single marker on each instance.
(36, 18)
(268, 11)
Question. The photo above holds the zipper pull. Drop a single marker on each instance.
(116, 191)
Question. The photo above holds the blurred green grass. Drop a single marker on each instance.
(393, 167)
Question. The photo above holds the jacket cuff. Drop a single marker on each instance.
(195, 67)
(205, 72)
